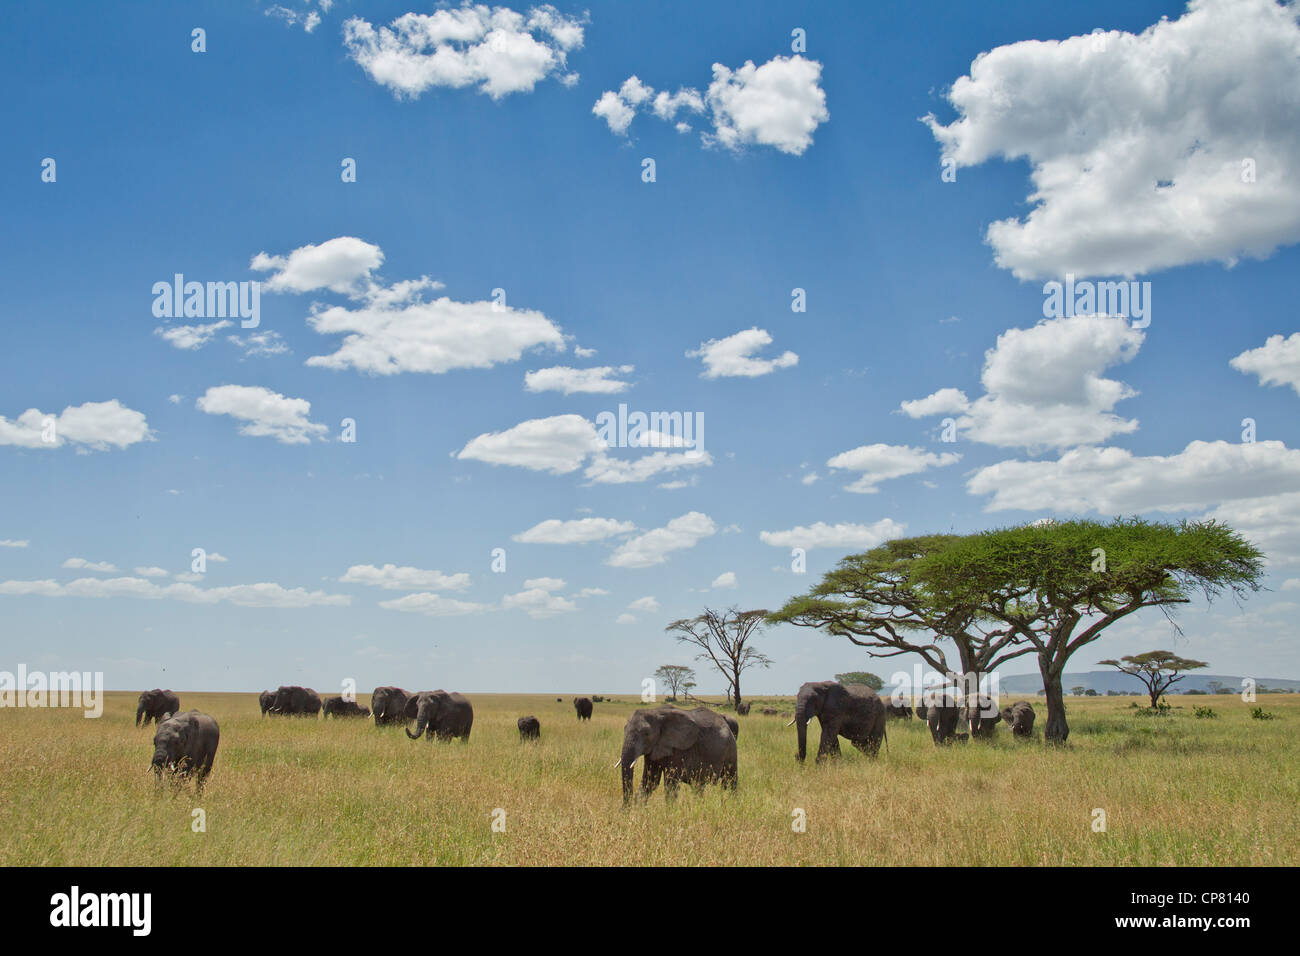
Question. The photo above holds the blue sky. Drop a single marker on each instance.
(489, 169)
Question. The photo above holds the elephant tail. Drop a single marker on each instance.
(885, 731)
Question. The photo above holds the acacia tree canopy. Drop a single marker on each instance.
(876, 601)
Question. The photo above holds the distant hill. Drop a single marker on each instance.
(1102, 681)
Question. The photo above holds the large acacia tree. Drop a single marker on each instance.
(1058, 585)
(1046, 589)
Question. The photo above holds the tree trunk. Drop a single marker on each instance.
(1057, 730)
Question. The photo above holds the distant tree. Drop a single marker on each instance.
(1158, 670)
(675, 676)
(687, 689)
(861, 677)
(1225, 690)
(723, 638)
(1089, 693)
(1077, 690)
(1193, 690)
(1215, 686)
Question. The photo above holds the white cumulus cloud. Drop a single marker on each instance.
(599, 381)
(1044, 386)
(882, 462)
(1276, 362)
(733, 356)
(496, 49)
(653, 547)
(94, 425)
(577, 531)
(778, 104)
(391, 577)
(266, 414)
(1147, 151)
(846, 535)
(562, 444)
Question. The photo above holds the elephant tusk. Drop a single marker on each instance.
(791, 724)
(619, 762)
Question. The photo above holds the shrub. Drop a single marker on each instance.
(1203, 712)
(1259, 713)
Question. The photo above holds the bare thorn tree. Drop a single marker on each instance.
(723, 638)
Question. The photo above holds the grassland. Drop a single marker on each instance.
(1176, 791)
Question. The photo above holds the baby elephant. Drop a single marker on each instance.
(530, 728)
(1020, 716)
(186, 744)
(583, 706)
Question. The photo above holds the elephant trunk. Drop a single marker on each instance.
(801, 718)
(138, 714)
(630, 754)
(420, 724)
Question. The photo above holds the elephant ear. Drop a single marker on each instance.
(676, 732)
(412, 708)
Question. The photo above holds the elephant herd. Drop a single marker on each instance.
(678, 746)
(980, 715)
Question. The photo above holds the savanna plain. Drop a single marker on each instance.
(1175, 789)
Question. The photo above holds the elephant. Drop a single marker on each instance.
(920, 711)
(388, 704)
(1020, 716)
(185, 744)
(559, 700)
(681, 746)
(768, 711)
(743, 709)
(295, 701)
(983, 717)
(156, 705)
(583, 706)
(340, 707)
(853, 711)
(731, 723)
(265, 700)
(443, 715)
(942, 715)
(898, 710)
(530, 728)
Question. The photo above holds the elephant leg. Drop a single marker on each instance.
(650, 777)
(868, 745)
(830, 743)
(671, 779)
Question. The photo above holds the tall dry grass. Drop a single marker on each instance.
(1176, 791)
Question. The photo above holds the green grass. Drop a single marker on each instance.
(1176, 791)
